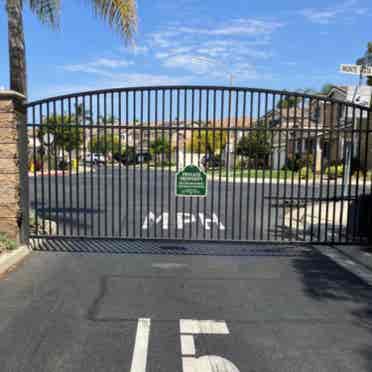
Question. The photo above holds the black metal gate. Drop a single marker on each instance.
(280, 166)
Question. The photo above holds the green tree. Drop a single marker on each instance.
(66, 134)
(160, 146)
(255, 145)
(119, 14)
(107, 144)
(83, 116)
(326, 88)
(369, 51)
(288, 102)
(207, 141)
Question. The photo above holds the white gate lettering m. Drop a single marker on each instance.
(151, 220)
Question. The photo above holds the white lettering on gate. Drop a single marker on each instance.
(182, 219)
(207, 222)
(150, 220)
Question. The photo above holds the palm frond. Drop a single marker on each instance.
(120, 14)
(48, 11)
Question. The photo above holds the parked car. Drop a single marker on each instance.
(211, 161)
(95, 159)
(128, 158)
(143, 157)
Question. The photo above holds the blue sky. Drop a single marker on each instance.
(276, 44)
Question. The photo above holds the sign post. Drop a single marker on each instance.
(363, 68)
(191, 182)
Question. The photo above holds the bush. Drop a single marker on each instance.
(334, 171)
(63, 165)
(296, 163)
(242, 163)
(363, 174)
(306, 172)
(6, 244)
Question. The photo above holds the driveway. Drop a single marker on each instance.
(75, 306)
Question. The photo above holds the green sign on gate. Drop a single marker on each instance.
(191, 181)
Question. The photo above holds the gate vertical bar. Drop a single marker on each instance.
(141, 162)
(121, 158)
(235, 132)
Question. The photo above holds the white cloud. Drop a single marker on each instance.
(327, 15)
(161, 39)
(188, 62)
(142, 79)
(236, 27)
(111, 63)
(98, 66)
(137, 50)
(116, 80)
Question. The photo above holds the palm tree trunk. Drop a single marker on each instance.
(17, 54)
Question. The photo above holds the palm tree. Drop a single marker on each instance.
(120, 14)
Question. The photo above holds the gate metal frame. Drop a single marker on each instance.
(275, 118)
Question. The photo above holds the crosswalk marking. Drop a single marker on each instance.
(208, 327)
(187, 345)
(141, 346)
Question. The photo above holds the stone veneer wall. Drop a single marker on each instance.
(13, 167)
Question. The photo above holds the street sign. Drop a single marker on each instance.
(356, 70)
(191, 182)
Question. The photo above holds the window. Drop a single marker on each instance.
(315, 116)
(326, 150)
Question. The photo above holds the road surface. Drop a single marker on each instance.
(262, 309)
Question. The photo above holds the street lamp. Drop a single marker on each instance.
(215, 62)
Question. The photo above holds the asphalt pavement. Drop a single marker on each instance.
(141, 203)
(86, 305)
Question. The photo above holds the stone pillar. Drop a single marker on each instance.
(13, 167)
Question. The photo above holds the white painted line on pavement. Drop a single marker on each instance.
(187, 345)
(196, 327)
(189, 365)
(208, 363)
(141, 346)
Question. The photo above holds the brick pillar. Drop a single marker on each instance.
(13, 167)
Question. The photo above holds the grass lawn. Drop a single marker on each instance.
(252, 173)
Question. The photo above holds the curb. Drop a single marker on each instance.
(359, 259)
(348, 262)
(10, 259)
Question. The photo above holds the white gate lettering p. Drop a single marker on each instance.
(183, 219)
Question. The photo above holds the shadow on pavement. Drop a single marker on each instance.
(169, 247)
(325, 281)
